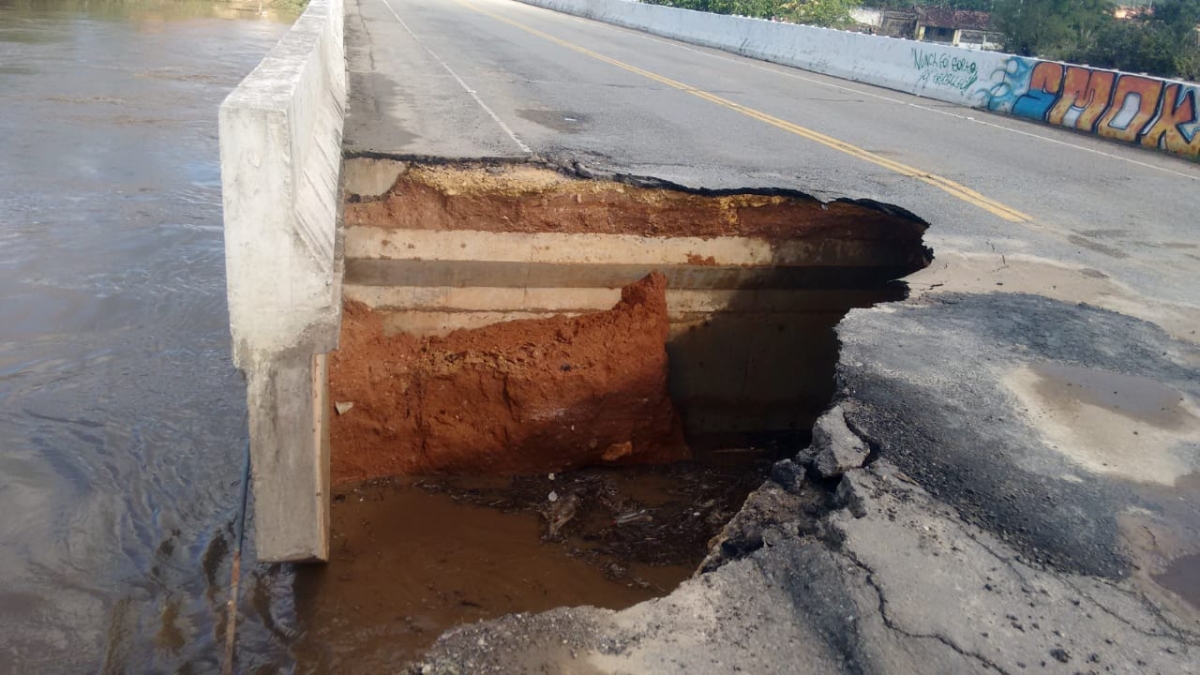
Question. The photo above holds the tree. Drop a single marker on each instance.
(762, 9)
(830, 13)
(1160, 42)
(973, 5)
(1055, 29)
(827, 13)
(1179, 21)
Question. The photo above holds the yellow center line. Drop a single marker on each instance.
(954, 189)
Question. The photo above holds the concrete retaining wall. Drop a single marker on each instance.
(1152, 112)
(281, 139)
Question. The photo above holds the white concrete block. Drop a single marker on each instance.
(281, 140)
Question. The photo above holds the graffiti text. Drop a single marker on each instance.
(943, 70)
(1133, 108)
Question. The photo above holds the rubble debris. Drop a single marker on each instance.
(836, 448)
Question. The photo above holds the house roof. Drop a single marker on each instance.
(961, 19)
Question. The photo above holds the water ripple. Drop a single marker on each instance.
(121, 413)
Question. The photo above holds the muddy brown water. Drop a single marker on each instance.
(1136, 397)
(1182, 577)
(121, 416)
(412, 558)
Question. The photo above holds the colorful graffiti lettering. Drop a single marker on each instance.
(942, 70)
(1131, 108)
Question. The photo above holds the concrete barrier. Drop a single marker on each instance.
(1152, 112)
(281, 139)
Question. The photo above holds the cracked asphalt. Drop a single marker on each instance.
(907, 587)
(1032, 409)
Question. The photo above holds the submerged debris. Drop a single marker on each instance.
(652, 515)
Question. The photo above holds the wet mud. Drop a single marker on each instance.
(412, 558)
(1182, 577)
(1139, 398)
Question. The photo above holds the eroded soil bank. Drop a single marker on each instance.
(531, 198)
(514, 409)
(529, 396)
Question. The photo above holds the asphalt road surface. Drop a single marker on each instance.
(497, 78)
(1017, 515)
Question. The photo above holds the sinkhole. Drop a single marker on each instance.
(555, 388)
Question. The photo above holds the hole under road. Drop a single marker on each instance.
(555, 388)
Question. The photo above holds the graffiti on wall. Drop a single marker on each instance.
(942, 70)
(1155, 113)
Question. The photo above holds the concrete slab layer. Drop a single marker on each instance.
(1006, 522)
(682, 304)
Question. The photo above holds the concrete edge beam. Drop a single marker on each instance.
(680, 302)
(381, 243)
(280, 136)
(489, 273)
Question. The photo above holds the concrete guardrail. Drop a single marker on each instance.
(281, 142)
(1148, 111)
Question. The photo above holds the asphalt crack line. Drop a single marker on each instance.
(1180, 636)
(467, 88)
(891, 624)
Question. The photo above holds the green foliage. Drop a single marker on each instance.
(973, 5)
(1055, 29)
(1162, 42)
(833, 13)
(827, 13)
(290, 6)
(762, 9)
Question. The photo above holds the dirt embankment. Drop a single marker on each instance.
(518, 397)
(533, 199)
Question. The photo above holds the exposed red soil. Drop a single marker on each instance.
(532, 199)
(519, 397)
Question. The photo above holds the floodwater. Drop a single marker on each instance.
(121, 416)
(411, 558)
(1136, 397)
(1183, 577)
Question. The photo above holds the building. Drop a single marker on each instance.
(957, 27)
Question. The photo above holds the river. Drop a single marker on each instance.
(122, 423)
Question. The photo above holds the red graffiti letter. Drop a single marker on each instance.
(1147, 91)
(1178, 108)
(1046, 77)
(1087, 89)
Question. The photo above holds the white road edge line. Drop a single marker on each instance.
(777, 69)
(491, 113)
